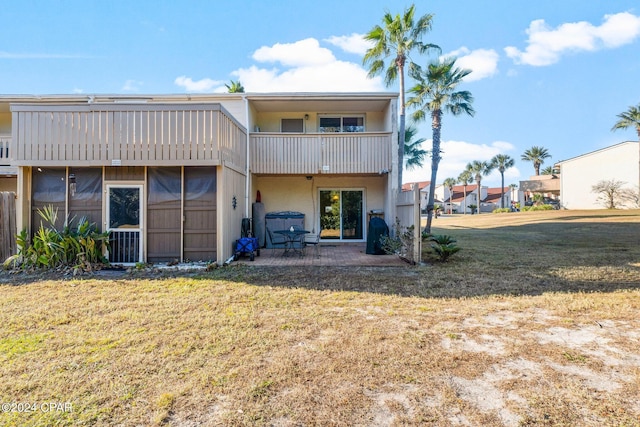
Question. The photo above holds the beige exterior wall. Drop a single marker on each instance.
(231, 183)
(8, 183)
(5, 124)
(270, 121)
(578, 175)
(298, 194)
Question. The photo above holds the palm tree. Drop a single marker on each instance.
(436, 93)
(413, 153)
(465, 178)
(547, 171)
(235, 87)
(502, 162)
(449, 183)
(630, 119)
(478, 169)
(536, 155)
(396, 39)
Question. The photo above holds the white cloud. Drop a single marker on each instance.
(202, 85)
(77, 90)
(354, 43)
(482, 62)
(301, 53)
(547, 45)
(455, 157)
(132, 86)
(337, 76)
(306, 67)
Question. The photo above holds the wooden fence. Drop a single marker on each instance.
(408, 213)
(7, 224)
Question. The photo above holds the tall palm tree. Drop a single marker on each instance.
(449, 183)
(436, 93)
(465, 178)
(413, 153)
(235, 87)
(478, 169)
(630, 119)
(502, 162)
(547, 171)
(398, 36)
(536, 155)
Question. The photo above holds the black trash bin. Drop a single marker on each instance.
(377, 229)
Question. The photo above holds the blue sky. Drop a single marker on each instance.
(553, 73)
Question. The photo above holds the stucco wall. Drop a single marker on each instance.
(270, 122)
(578, 175)
(301, 195)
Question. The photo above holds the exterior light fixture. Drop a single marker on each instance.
(234, 202)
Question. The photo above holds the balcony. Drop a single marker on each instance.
(127, 135)
(5, 169)
(335, 153)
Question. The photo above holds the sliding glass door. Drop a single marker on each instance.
(341, 214)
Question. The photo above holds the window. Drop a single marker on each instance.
(292, 125)
(341, 124)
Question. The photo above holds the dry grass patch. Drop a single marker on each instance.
(531, 324)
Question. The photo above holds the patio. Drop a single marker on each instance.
(350, 254)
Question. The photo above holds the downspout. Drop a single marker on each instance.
(248, 177)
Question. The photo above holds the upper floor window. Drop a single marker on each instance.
(341, 124)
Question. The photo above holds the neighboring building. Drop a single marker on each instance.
(423, 186)
(460, 203)
(546, 185)
(462, 197)
(492, 200)
(172, 176)
(578, 174)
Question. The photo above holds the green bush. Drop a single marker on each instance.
(502, 210)
(444, 246)
(538, 208)
(79, 246)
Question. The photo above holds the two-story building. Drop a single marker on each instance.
(172, 176)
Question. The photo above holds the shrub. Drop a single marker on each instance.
(79, 246)
(400, 242)
(501, 210)
(538, 208)
(444, 246)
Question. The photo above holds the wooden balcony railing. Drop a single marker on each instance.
(127, 135)
(340, 153)
(5, 141)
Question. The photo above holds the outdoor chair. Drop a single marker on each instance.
(278, 241)
(314, 240)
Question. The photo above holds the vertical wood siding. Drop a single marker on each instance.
(98, 135)
(8, 228)
(350, 153)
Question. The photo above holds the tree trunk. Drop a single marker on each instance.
(464, 201)
(638, 129)
(479, 181)
(401, 130)
(502, 190)
(435, 160)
